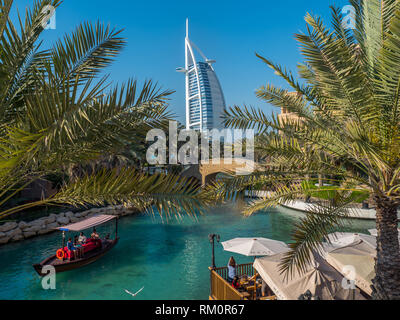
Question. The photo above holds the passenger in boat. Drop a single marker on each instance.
(105, 241)
(231, 269)
(94, 234)
(78, 247)
(71, 247)
(82, 238)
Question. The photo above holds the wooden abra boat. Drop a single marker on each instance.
(93, 249)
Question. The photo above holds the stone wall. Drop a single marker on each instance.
(13, 231)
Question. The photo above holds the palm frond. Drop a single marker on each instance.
(173, 196)
(321, 220)
(20, 57)
(86, 51)
(5, 8)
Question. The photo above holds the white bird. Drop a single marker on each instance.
(134, 294)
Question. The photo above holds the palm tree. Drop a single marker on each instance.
(57, 113)
(346, 129)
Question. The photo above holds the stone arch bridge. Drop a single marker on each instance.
(207, 172)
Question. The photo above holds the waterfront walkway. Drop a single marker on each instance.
(299, 205)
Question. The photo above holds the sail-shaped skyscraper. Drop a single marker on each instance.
(205, 102)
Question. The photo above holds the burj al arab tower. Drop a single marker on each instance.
(205, 102)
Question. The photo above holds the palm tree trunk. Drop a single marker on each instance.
(320, 180)
(387, 280)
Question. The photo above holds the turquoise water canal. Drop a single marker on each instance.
(170, 260)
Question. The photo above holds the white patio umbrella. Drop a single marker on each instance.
(253, 247)
(342, 239)
(358, 257)
(353, 250)
(319, 278)
(374, 232)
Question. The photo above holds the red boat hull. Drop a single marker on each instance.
(66, 265)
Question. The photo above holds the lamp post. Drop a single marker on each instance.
(212, 238)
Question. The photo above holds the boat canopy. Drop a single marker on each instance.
(87, 223)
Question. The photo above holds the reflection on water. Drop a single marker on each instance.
(169, 259)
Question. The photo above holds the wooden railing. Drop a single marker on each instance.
(221, 289)
(241, 270)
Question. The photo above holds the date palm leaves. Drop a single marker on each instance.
(58, 112)
(343, 124)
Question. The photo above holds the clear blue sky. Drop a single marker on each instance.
(228, 31)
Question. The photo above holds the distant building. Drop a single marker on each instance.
(205, 102)
(286, 115)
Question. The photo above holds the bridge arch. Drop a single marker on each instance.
(208, 171)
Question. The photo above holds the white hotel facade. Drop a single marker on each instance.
(205, 102)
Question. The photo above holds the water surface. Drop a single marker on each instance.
(169, 259)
